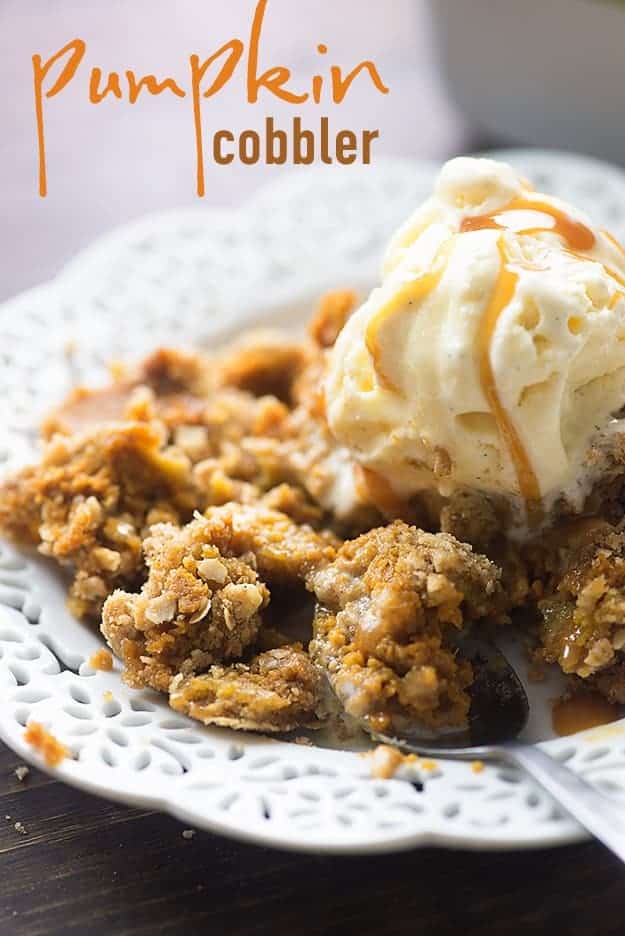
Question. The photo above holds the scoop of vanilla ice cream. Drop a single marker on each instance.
(494, 348)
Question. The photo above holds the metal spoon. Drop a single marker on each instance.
(499, 711)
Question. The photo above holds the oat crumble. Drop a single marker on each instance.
(197, 498)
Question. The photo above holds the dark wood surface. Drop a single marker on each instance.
(86, 866)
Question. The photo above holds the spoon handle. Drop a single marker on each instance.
(596, 812)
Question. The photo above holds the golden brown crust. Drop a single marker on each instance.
(283, 552)
(278, 690)
(89, 501)
(170, 385)
(582, 566)
(197, 607)
(172, 371)
(84, 409)
(241, 437)
(388, 605)
(205, 591)
(295, 503)
(263, 363)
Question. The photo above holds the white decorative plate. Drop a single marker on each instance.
(194, 276)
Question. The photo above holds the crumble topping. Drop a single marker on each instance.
(582, 606)
(198, 496)
(89, 502)
(388, 606)
(263, 363)
(275, 691)
(198, 606)
(284, 552)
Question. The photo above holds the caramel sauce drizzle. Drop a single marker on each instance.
(578, 237)
(609, 270)
(411, 294)
(376, 490)
(502, 295)
(615, 276)
(580, 712)
(614, 241)
(576, 234)
(618, 294)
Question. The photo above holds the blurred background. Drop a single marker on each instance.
(462, 76)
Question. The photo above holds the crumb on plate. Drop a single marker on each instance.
(21, 772)
(386, 761)
(102, 659)
(50, 748)
(428, 764)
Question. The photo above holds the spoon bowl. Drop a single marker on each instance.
(499, 711)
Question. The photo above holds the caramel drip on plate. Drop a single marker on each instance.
(581, 712)
(577, 235)
(410, 295)
(502, 295)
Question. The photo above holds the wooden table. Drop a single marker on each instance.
(84, 865)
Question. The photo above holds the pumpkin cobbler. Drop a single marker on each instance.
(280, 531)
